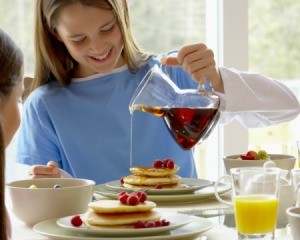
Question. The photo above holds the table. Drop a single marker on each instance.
(223, 229)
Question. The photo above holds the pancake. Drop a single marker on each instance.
(115, 206)
(120, 219)
(170, 186)
(154, 172)
(151, 181)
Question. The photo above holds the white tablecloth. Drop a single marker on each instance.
(218, 232)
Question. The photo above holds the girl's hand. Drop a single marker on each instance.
(51, 170)
(199, 62)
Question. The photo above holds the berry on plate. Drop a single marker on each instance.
(76, 221)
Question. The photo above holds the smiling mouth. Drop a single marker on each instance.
(103, 57)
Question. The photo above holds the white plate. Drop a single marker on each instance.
(193, 185)
(204, 193)
(50, 229)
(176, 220)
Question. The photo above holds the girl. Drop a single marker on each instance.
(88, 66)
(11, 87)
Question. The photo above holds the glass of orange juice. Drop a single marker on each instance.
(255, 200)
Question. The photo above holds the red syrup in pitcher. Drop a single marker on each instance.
(188, 126)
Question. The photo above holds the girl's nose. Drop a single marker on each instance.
(97, 44)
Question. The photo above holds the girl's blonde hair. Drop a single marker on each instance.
(53, 61)
(11, 63)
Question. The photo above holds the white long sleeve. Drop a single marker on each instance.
(256, 100)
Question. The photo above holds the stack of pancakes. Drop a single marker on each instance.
(114, 214)
(150, 177)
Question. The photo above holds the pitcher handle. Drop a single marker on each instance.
(216, 191)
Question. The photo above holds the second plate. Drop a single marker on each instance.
(193, 184)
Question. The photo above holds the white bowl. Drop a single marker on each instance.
(45, 202)
(293, 215)
(281, 160)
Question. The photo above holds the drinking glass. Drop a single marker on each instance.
(255, 193)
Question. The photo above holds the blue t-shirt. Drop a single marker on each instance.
(85, 127)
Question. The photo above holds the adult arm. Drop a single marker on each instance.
(256, 100)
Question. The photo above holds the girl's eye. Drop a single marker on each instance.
(78, 41)
(107, 29)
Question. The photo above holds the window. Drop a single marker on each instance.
(263, 36)
(159, 26)
(274, 50)
(16, 19)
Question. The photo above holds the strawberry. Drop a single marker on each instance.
(246, 157)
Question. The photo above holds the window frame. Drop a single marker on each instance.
(227, 36)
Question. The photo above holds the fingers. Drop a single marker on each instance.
(39, 176)
(170, 61)
(188, 52)
(198, 60)
(52, 164)
(51, 170)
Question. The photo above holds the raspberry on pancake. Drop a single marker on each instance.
(120, 218)
(115, 206)
(154, 172)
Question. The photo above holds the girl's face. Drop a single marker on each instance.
(92, 37)
(9, 112)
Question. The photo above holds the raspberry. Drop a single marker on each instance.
(122, 180)
(123, 198)
(157, 164)
(165, 162)
(133, 199)
(158, 224)
(139, 224)
(164, 222)
(170, 164)
(158, 187)
(150, 224)
(142, 196)
(76, 221)
(122, 193)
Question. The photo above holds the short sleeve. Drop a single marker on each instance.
(37, 140)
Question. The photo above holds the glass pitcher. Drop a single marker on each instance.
(189, 114)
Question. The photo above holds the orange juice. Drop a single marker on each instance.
(255, 213)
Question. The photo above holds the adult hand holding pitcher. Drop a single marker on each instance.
(255, 200)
